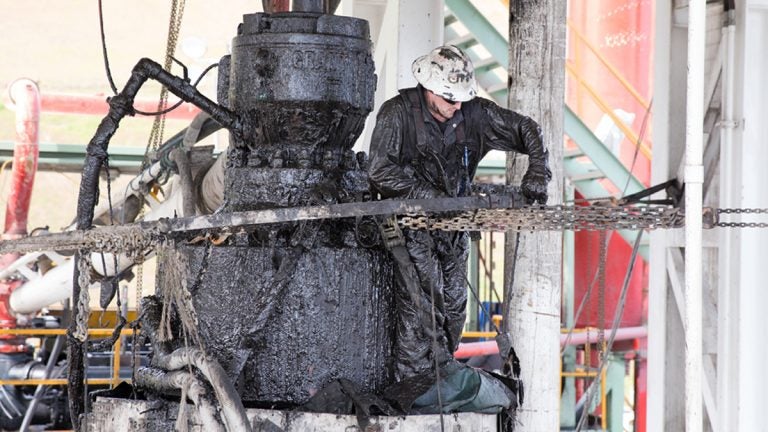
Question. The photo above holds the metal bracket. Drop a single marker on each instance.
(391, 234)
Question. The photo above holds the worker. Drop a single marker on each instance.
(427, 143)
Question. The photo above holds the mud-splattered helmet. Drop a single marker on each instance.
(447, 72)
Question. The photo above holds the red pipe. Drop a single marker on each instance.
(26, 98)
(97, 105)
(474, 349)
(274, 6)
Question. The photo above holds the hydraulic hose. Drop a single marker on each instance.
(120, 106)
(232, 408)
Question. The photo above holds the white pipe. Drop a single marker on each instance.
(156, 379)
(726, 325)
(52, 287)
(232, 408)
(56, 285)
(19, 264)
(694, 179)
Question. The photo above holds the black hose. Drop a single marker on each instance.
(120, 106)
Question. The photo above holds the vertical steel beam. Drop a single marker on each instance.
(748, 179)
(420, 30)
(694, 179)
(727, 297)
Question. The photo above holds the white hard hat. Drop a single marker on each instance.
(447, 72)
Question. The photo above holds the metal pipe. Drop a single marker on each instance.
(273, 6)
(313, 6)
(57, 347)
(52, 287)
(26, 96)
(180, 157)
(161, 380)
(121, 105)
(98, 105)
(474, 349)
(230, 403)
(694, 180)
(726, 293)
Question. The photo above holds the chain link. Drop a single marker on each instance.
(741, 224)
(603, 238)
(135, 239)
(158, 125)
(551, 218)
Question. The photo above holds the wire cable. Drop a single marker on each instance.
(637, 146)
(614, 327)
(104, 49)
(579, 310)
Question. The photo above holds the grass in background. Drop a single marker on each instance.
(79, 129)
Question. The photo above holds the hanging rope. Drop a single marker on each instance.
(84, 300)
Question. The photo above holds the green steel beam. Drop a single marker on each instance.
(487, 35)
(73, 155)
(481, 28)
(490, 167)
(599, 154)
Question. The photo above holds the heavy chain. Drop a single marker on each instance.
(158, 126)
(603, 236)
(134, 238)
(551, 218)
(721, 211)
(128, 239)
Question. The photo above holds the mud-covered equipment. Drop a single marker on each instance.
(448, 72)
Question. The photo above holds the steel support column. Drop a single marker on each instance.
(742, 379)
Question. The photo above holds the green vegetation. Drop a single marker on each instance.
(58, 128)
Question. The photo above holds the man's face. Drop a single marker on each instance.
(441, 109)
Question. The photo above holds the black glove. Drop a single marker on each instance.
(534, 184)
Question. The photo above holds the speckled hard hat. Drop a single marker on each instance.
(447, 72)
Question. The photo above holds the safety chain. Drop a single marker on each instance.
(740, 224)
(603, 236)
(552, 218)
(135, 238)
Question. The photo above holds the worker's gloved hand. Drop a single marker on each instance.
(534, 184)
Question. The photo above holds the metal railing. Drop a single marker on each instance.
(605, 108)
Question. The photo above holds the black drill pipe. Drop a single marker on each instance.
(120, 106)
(315, 6)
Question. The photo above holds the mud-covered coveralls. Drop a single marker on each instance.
(413, 156)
